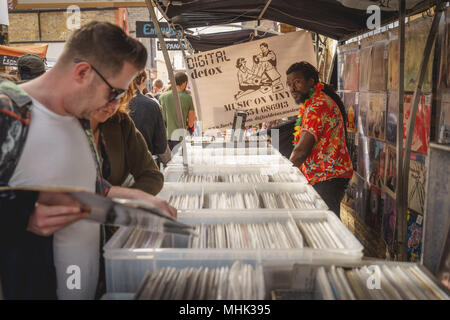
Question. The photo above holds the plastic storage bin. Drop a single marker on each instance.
(278, 187)
(173, 174)
(227, 159)
(125, 268)
(281, 276)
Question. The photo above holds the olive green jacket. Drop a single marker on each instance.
(126, 152)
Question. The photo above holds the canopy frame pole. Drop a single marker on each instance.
(333, 59)
(176, 97)
(400, 225)
(264, 9)
(194, 86)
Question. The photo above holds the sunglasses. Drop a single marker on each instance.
(115, 94)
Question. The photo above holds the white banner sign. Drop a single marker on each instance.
(4, 12)
(250, 77)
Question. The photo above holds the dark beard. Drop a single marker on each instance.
(302, 97)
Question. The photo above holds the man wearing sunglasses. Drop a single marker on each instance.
(47, 249)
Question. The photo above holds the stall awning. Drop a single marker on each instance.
(211, 41)
(9, 55)
(327, 17)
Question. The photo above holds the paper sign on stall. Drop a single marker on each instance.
(249, 77)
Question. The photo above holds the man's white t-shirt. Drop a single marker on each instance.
(57, 153)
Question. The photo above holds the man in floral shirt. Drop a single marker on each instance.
(320, 138)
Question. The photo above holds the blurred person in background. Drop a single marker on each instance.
(147, 116)
(30, 66)
(169, 111)
(158, 86)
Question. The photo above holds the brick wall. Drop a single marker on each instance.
(25, 26)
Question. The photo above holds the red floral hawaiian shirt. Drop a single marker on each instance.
(329, 157)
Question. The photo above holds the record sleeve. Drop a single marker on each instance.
(119, 212)
(363, 106)
(376, 118)
(365, 68)
(421, 134)
(363, 157)
(415, 39)
(377, 162)
(351, 70)
(394, 62)
(375, 209)
(415, 229)
(351, 108)
(392, 118)
(388, 223)
(391, 169)
(362, 198)
(443, 270)
(378, 72)
(444, 68)
(443, 117)
(416, 184)
(350, 193)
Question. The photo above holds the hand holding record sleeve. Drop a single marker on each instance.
(53, 209)
(132, 213)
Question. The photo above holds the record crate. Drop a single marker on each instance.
(305, 195)
(125, 267)
(376, 280)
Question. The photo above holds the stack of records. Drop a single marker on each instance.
(186, 201)
(268, 235)
(240, 282)
(377, 282)
(227, 200)
(287, 200)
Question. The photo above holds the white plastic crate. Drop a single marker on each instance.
(125, 268)
(302, 277)
(173, 174)
(237, 160)
(276, 187)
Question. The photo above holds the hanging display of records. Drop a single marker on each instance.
(376, 116)
(415, 229)
(416, 184)
(388, 222)
(421, 134)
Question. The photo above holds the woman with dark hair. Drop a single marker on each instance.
(123, 149)
(320, 134)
